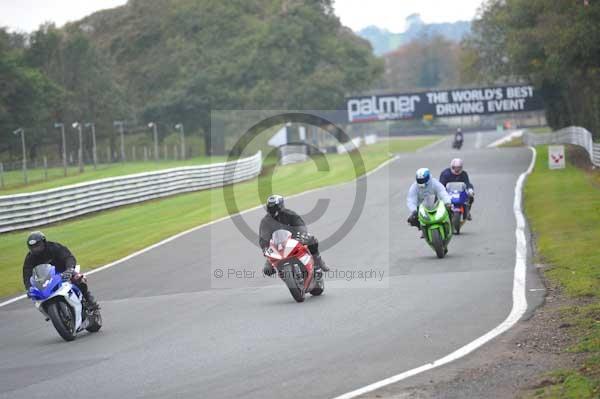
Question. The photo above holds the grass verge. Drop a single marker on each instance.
(13, 180)
(104, 237)
(563, 208)
(542, 129)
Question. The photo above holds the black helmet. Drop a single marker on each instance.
(274, 204)
(36, 242)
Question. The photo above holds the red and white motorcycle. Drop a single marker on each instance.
(295, 265)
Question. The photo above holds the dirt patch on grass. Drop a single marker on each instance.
(579, 157)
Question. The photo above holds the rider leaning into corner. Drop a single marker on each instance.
(42, 251)
(278, 217)
(456, 173)
(424, 186)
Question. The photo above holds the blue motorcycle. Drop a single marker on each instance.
(460, 199)
(62, 303)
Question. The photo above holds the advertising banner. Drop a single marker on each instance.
(444, 103)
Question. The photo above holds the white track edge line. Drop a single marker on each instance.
(519, 299)
(193, 229)
(506, 138)
(430, 145)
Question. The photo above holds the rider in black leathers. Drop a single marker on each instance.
(459, 139)
(278, 217)
(42, 251)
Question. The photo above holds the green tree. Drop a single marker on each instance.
(425, 63)
(73, 62)
(26, 96)
(180, 59)
(555, 45)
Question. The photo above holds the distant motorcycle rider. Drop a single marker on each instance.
(458, 139)
(456, 173)
(423, 186)
(42, 251)
(278, 217)
(458, 136)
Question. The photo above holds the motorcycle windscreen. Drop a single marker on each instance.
(456, 186)
(42, 275)
(280, 237)
(430, 203)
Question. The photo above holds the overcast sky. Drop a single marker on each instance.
(27, 15)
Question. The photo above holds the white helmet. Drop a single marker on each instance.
(423, 177)
(456, 166)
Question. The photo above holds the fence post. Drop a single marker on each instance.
(133, 154)
(1, 175)
(175, 152)
(108, 155)
(45, 168)
(145, 154)
(166, 153)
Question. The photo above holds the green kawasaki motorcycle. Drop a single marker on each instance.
(435, 225)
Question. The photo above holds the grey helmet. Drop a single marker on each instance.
(274, 204)
(36, 242)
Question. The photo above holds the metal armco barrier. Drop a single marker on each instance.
(293, 153)
(21, 211)
(351, 145)
(569, 135)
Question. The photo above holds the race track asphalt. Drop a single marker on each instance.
(173, 329)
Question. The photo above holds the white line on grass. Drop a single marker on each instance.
(428, 146)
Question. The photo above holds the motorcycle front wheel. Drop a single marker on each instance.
(293, 278)
(438, 243)
(63, 319)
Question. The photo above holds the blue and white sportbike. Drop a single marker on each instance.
(460, 199)
(62, 302)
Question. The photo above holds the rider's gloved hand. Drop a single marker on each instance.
(301, 237)
(471, 192)
(412, 219)
(67, 274)
(449, 208)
